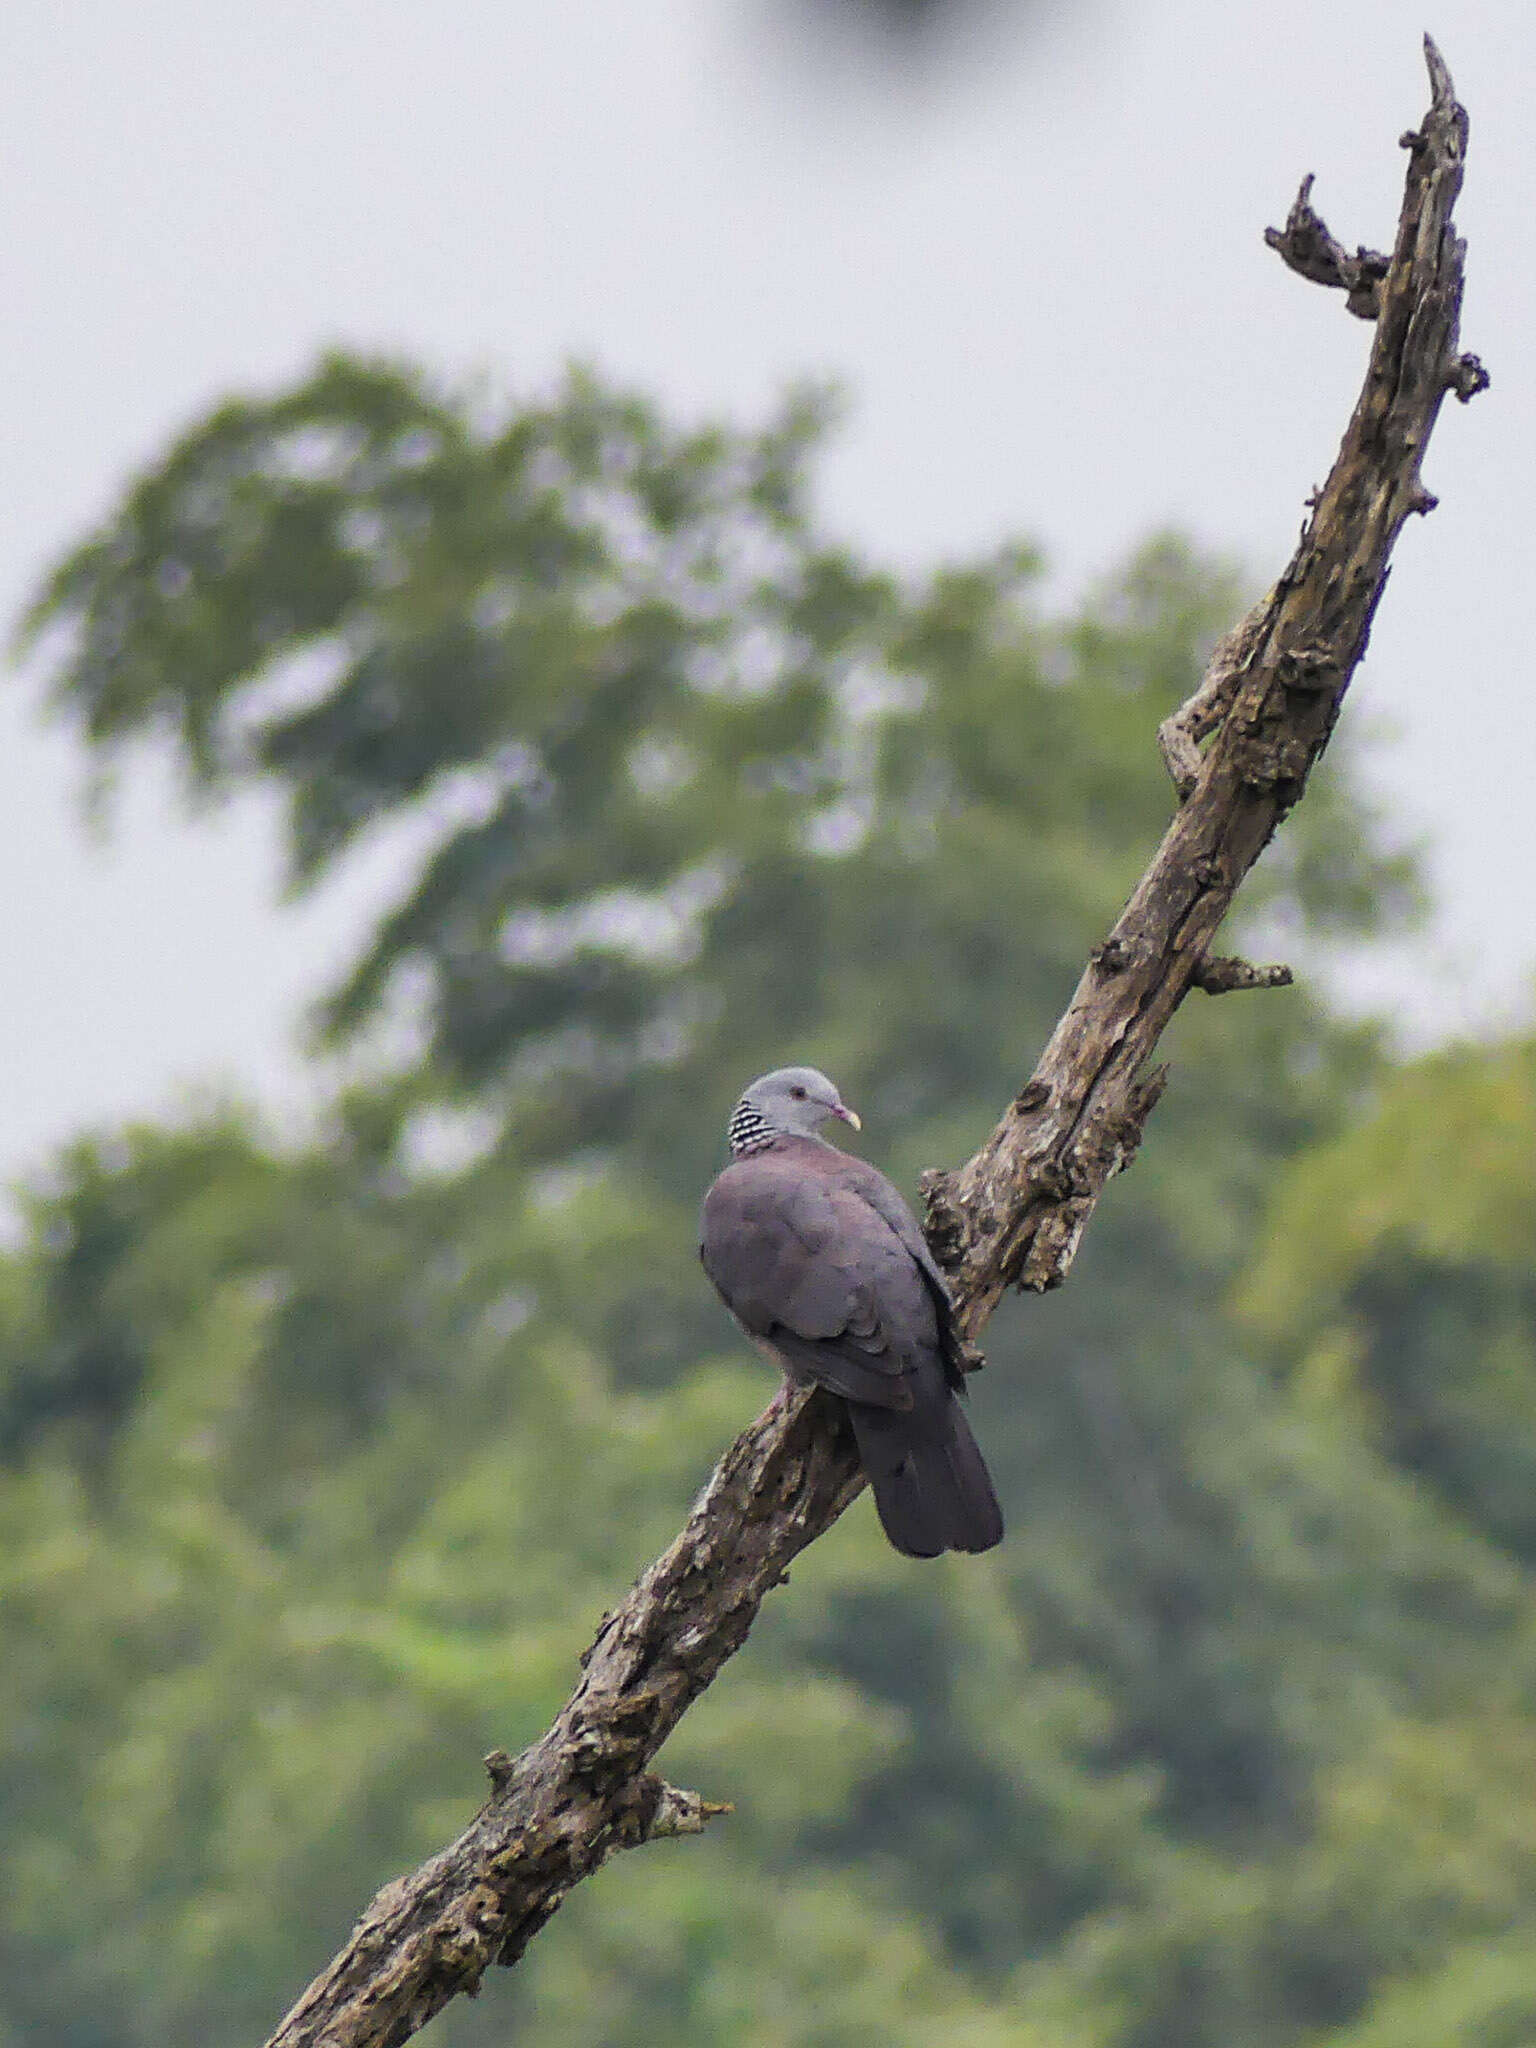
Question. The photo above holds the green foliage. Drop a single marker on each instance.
(1398, 1280)
(689, 776)
(1483, 1997)
(317, 1467)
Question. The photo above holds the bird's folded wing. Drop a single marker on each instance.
(892, 1209)
(800, 1264)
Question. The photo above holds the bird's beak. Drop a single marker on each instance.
(848, 1116)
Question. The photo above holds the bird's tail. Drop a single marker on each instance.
(931, 1485)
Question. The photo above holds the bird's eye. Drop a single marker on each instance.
(798, 1094)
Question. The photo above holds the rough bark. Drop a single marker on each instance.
(1015, 1213)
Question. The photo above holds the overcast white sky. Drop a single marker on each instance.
(1038, 265)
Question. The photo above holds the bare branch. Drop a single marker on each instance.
(1180, 734)
(1221, 976)
(1306, 245)
(1013, 1215)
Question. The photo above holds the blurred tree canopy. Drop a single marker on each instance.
(318, 1465)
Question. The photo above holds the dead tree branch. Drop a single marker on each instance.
(1015, 1213)
(1306, 245)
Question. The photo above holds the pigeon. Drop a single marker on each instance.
(822, 1264)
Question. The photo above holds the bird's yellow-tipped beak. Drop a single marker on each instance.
(850, 1116)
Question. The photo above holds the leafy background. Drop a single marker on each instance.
(321, 1460)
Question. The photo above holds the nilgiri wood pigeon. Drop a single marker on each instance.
(822, 1263)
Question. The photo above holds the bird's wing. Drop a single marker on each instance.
(891, 1206)
(805, 1263)
(888, 1203)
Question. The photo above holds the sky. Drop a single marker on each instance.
(1032, 253)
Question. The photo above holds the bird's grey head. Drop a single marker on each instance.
(790, 1102)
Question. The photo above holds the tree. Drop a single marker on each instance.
(779, 779)
(1416, 1308)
